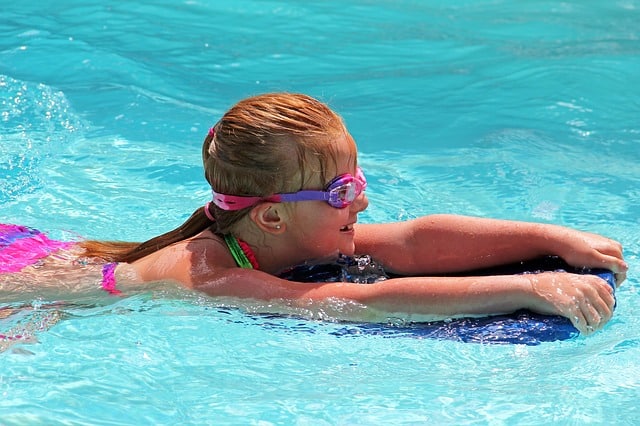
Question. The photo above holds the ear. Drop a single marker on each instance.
(270, 217)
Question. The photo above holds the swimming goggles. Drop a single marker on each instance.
(339, 193)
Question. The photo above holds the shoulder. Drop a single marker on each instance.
(186, 261)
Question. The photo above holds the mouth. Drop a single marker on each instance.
(347, 228)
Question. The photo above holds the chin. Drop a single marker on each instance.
(349, 250)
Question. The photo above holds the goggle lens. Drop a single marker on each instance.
(344, 189)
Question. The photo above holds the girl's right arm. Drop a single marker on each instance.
(587, 301)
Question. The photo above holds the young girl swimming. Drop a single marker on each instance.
(287, 190)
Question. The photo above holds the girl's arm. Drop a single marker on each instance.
(586, 300)
(451, 243)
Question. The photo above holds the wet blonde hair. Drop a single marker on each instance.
(263, 145)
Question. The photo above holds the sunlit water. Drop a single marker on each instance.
(522, 110)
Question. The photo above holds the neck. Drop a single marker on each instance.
(278, 254)
(241, 252)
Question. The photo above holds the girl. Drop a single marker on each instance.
(287, 190)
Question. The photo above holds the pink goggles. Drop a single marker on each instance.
(338, 193)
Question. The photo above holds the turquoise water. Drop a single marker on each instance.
(522, 110)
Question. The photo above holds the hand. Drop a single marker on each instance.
(587, 300)
(583, 249)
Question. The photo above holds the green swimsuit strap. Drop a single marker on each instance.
(238, 252)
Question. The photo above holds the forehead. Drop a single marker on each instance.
(344, 153)
(336, 155)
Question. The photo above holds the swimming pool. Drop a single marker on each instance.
(493, 108)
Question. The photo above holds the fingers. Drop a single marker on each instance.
(612, 261)
(618, 266)
(587, 300)
(609, 246)
(579, 322)
(614, 255)
(620, 277)
(604, 251)
(595, 309)
(615, 263)
(588, 319)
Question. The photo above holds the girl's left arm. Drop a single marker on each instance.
(452, 243)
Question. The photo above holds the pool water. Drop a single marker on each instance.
(520, 110)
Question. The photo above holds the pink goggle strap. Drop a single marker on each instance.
(237, 202)
(207, 212)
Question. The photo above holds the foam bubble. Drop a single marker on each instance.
(36, 120)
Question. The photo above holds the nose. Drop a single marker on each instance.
(360, 203)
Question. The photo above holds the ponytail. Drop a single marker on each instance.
(116, 251)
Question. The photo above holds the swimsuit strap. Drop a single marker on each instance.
(241, 252)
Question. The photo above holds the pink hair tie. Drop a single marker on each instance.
(109, 278)
(208, 213)
(212, 131)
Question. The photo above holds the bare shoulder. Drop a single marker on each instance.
(185, 261)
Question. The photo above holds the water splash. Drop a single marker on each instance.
(36, 119)
(24, 323)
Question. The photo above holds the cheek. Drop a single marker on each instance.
(322, 222)
(360, 203)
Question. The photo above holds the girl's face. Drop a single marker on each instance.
(320, 230)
